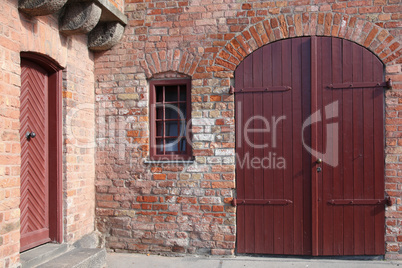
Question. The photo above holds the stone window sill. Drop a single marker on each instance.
(183, 162)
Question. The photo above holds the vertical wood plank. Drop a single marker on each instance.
(258, 138)
(326, 176)
(269, 216)
(258, 171)
(306, 75)
(278, 174)
(314, 145)
(358, 183)
(297, 147)
(249, 178)
(249, 182)
(347, 148)
(319, 126)
(287, 147)
(378, 107)
(338, 176)
(240, 210)
(368, 145)
(257, 64)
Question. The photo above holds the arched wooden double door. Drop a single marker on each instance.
(310, 149)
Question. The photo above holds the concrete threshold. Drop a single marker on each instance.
(122, 260)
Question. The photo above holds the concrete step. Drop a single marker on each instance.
(42, 254)
(78, 258)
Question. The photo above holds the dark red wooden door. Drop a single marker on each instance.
(263, 101)
(34, 156)
(291, 110)
(352, 178)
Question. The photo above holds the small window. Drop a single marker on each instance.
(170, 111)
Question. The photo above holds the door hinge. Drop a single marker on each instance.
(280, 202)
(356, 202)
(263, 89)
(351, 85)
(231, 90)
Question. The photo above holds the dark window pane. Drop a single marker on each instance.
(171, 111)
(182, 128)
(159, 112)
(182, 145)
(159, 146)
(171, 93)
(159, 93)
(171, 145)
(183, 110)
(171, 128)
(159, 128)
(183, 93)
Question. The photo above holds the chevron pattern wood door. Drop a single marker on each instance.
(34, 156)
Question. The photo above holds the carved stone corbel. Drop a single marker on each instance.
(80, 18)
(40, 7)
(105, 35)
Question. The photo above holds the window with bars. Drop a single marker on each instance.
(170, 112)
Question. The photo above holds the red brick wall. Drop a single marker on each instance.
(21, 33)
(151, 208)
(79, 140)
(9, 138)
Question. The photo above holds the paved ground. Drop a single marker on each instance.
(122, 260)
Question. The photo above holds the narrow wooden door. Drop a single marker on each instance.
(34, 156)
(351, 185)
(310, 162)
(272, 98)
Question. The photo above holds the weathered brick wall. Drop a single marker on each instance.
(9, 137)
(79, 139)
(21, 33)
(170, 208)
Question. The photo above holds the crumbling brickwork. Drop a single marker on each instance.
(186, 208)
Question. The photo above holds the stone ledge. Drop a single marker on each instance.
(172, 162)
(104, 22)
(79, 18)
(110, 13)
(40, 7)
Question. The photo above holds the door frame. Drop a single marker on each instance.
(55, 135)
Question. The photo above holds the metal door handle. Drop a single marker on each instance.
(319, 161)
(30, 135)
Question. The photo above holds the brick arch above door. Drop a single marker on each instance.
(378, 40)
